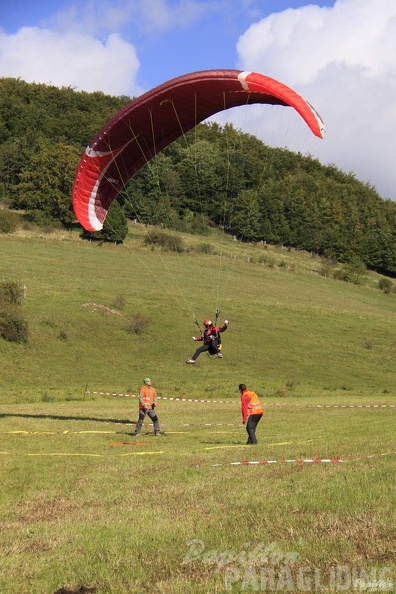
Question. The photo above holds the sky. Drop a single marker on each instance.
(340, 55)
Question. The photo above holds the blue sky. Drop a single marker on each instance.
(338, 54)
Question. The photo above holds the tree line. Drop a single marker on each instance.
(213, 176)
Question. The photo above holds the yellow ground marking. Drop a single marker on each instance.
(53, 432)
(88, 455)
(16, 432)
(66, 454)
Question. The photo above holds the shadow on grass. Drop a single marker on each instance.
(66, 418)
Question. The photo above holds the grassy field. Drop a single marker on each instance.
(87, 507)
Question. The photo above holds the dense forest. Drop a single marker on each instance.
(254, 192)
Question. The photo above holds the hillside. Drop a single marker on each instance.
(212, 176)
(292, 331)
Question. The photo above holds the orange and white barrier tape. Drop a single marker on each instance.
(111, 394)
(124, 395)
(295, 461)
(329, 405)
(200, 400)
(351, 405)
(161, 397)
(299, 461)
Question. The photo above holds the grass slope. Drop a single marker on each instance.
(86, 507)
(288, 324)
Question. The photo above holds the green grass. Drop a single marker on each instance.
(78, 508)
(283, 324)
(83, 503)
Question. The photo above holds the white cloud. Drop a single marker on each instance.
(84, 47)
(342, 60)
(70, 59)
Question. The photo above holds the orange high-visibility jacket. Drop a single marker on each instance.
(250, 404)
(147, 396)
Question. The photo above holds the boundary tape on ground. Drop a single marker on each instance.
(336, 405)
(297, 461)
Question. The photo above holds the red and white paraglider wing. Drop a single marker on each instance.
(148, 124)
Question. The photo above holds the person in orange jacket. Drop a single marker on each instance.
(252, 411)
(147, 405)
(211, 341)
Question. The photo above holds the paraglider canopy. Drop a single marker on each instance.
(149, 123)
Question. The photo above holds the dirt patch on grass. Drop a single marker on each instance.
(101, 308)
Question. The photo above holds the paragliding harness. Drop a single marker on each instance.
(216, 337)
(213, 340)
(214, 344)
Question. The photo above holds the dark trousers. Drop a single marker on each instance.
(153, 416)
(251, 425)
(212, 347)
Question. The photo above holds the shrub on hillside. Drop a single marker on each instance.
(385, 285)
(199, 225)
(13, 327)
(267, 259)
(327, 266)
(43, 220)
(138, 324)
(11, 292)
(119, 302)
(167, 242)
(204, 248)
(354, 272)
(8, 221)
